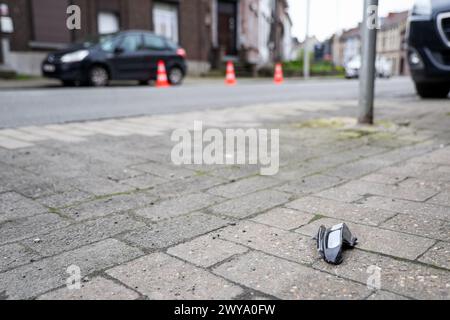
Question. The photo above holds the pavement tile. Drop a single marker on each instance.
(408, 207)
(159, 276)
(34, 226)
(178, 206)
(340, 193)
(419, 225)
(206, 251)
(11, 143)
(98, 288)
(164, 170)
(281, 243)
(441, 156)
(15, 206)
(250, 204)
(438, 255)
(243, 187)
(309, 184)
(108, 205)
(384, 178)
(284, 218)
(387, 242)
(177, 188)
(145, 181)
(401, 191)
(442, 199)
(60, 200)
(170, 232)
(101, 186)
(14, 255)
(397, 276)
(287, 280)
(81, 234)
(385, 295)
(41, 276)
(340, 210)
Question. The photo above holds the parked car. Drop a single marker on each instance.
(429, 47)
(127, 55)
(383, 67)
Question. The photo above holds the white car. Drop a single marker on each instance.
(383, 67)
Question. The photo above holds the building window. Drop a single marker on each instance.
(165, 20)
(107, 22)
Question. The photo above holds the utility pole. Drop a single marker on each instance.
(306, 47)
(369, 48)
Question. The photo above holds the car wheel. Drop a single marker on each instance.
(432, 91)
(98, 76)
(175, 76)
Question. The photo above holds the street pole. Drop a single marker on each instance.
(306, 48)
(369, 48)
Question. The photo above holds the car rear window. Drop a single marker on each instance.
(152, 42)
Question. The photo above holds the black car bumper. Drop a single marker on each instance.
(430, 46)
(64, 71)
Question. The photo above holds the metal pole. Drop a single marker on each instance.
(369, 48)
(306, 47)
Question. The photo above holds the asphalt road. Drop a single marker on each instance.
(48, 105)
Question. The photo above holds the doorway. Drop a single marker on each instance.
(227, 26)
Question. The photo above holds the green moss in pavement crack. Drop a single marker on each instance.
(316, 217)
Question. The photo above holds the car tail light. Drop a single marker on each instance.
(181, 52)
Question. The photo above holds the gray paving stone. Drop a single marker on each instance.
(309, 184)
(170, 232)
(420, 225)
(398, 276)
(98, 288)
(442, 199)
(14, 206)
(250, 204)
(401, 191)
(78, 235)
(60, 200)
(144, 181)
(407, 169)
(284, 218)
(385, 295)
(177, 188)
(336, 209)
(105, 206)
(384, 178)
(388, 242)
(164, 170)
(206, 251)
(441, 156)
(159, 276)
(281, 243)
(438, 255)
(287, 280)
(340, 193)
(408, 207)
(14, 255)
(101, 186)
(41, 276)
(243, 187)
(235, 172)
(178, 206)
(20, 229)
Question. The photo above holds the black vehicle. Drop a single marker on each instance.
(429, 47)
(128, 55)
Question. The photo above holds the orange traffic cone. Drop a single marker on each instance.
(230, 78)
(278, 77)
(161, 77)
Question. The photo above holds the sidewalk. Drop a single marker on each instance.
(105, 197)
